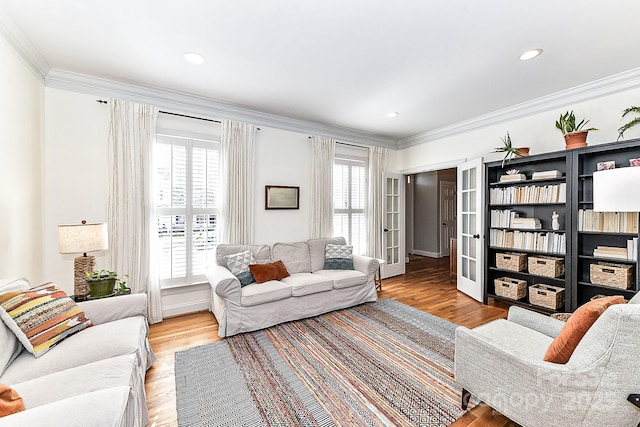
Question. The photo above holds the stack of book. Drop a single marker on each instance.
(526, 223)
(547, 174)
(613, 252)
(512, 177)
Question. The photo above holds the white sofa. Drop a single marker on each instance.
(309, 291)
(93, 378)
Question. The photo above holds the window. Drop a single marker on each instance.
(187, 200)
(349, 201)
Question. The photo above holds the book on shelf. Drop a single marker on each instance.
(607, 222)
(513, 177)
(526, 223)
(547, 174)
(614, 252)
(529, 194)
(527, 240)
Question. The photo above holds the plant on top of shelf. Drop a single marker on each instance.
(632, 123)
(509, 150)
(575, 135)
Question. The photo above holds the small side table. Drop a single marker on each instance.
(378, 277)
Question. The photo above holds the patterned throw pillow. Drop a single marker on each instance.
(338, 257)
(238, 264)
(41, 317)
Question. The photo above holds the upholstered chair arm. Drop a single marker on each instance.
(365, 264)
(107, 310)
(224, 283)
(538, 322)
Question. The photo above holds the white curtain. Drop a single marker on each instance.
(323, 154)
(130, 211)
(375, 205)
(238, 165)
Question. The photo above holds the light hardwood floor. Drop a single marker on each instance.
(425, 286)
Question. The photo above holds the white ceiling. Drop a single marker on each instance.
(344, 63)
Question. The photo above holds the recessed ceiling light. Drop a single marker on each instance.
(393, 114)
(194, 58)
(530, 54)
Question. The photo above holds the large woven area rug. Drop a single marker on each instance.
(377, 364)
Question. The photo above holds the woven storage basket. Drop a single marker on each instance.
(546, 296)
(511, 288)
(610, 274)
(546, 266)
(511, 261)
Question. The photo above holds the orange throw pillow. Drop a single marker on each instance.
(10, 402)
(265, 272)
(577, 326)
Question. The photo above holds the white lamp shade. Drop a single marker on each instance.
(617, 190)
(81, 238)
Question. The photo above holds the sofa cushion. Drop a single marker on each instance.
(124, 336)
(10, 401)
(338, 257)
(41, 317)
(317, 250)
(262, 253)
(102, 408)
(239, 263)
(259, 293)
(344, 278)
(9, 343)
(583, 318)
(295, 256)
(308, 283)
(269, 271)
(101, 374)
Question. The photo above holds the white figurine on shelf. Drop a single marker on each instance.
(555, 223)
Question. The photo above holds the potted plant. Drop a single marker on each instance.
(575, 136)
(103, 283)
(632, 123)
(509, 150)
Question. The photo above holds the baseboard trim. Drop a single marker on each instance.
(427, 253)
(185, 308)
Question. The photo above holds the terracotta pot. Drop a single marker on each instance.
(522, 152)
(576, 139)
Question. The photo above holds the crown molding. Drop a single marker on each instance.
(186, 103)
(20, 43)
(606, 86)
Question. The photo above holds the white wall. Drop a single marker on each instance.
(282, 158)
(21, 213)
(75, 174)
(537, 131)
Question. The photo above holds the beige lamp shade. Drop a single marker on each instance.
(617, 190)
(82, 238)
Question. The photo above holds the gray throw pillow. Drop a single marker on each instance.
(338, 257)
(238, 264)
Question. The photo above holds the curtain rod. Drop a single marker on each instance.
(102, 101)
(346, 143)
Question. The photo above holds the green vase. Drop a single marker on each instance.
(101, 287)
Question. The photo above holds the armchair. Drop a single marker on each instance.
(501, 363)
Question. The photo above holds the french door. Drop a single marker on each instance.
(470, 220)
(393, 223)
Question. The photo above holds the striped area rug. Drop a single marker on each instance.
(377, 364)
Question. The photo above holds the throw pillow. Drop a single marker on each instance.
(271, 271)
(41, 317)
(338, 257)
(238, 264)
(577, 326)
(10, 401)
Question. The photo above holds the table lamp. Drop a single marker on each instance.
(82, 238)
(617, 190)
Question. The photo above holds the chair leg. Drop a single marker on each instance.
(465, 399)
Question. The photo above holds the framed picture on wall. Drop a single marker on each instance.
(281, 197)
